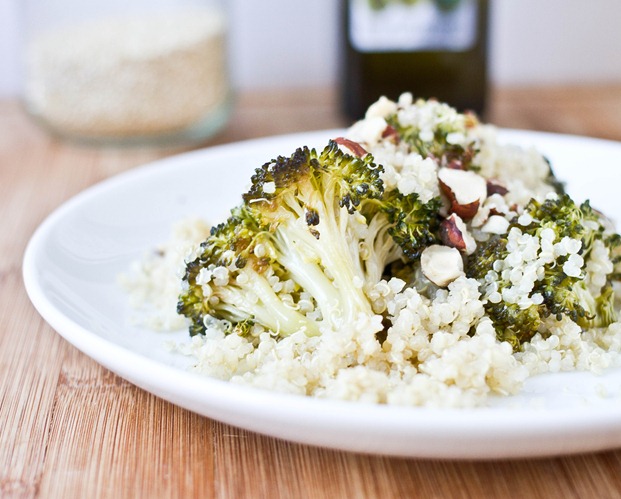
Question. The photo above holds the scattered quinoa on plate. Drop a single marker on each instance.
(413, 261)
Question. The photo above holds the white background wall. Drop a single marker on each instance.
(283, 43)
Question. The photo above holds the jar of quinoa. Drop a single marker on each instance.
(133, 71)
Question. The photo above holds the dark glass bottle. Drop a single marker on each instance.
(431, 48)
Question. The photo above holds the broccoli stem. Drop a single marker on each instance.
(269, 309)
(325, 268)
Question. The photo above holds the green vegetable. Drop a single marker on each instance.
(313, 235)
(563, 291)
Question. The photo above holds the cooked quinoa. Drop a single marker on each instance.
(440, 350)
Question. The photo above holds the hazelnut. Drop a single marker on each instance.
(441, 264)
(464, 189)
(495, 187)
(351, 147)
(454, 233)
(496, 224)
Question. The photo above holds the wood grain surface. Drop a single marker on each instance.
(70, 428)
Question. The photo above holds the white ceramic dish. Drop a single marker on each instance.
(72, 261)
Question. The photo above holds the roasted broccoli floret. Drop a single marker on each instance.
(547, 265)
(313, 235)
(413, 225)
(233, 278)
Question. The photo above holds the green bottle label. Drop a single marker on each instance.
(412, 25)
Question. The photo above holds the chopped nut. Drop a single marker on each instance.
(454, 233)
(441, 264)
(464, 189)
(456, 164)
(390, 132)
(496, 225)
(353, 147)
(495, 187)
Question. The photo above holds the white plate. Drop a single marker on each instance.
(72, 261)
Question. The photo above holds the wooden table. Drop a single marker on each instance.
(70, 428)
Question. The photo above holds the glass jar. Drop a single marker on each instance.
(127, 71)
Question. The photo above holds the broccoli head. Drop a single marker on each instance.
(540, 269)
(413, 224)
(233, 277)
(312, 236)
